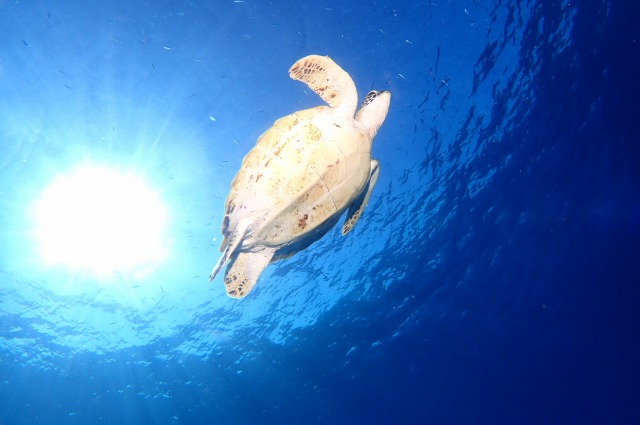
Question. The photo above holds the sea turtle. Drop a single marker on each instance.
(301, 176)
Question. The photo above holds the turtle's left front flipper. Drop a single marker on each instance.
(244, 269)
(355, 210)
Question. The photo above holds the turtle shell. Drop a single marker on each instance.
(304, 170)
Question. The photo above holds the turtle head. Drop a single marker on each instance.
(373, 111)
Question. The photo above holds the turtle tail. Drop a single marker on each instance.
(224, 258)
(232, 244)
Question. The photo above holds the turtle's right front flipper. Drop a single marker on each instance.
(328, 80)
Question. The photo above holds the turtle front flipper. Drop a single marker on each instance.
(355, 210)
(244, 270)
(328, 80)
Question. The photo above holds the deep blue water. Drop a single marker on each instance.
(493, 278)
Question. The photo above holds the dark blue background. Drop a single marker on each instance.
(500, 284)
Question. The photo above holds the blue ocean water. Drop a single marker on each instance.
(493, 278)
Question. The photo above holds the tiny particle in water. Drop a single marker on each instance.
(401, 76)
(408, 42)
(167, 48)
(212, 118)
(25, 43)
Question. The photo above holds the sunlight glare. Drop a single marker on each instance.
(100, 221)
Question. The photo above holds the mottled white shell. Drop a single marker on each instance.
(302, 171)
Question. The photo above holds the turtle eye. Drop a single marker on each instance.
(369, 97)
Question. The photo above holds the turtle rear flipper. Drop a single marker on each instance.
(355, 210)
(244, 270)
